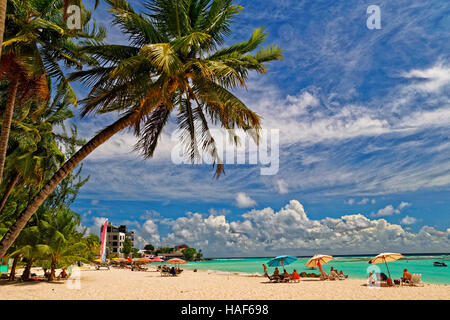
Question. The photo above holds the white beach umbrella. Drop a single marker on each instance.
(385, 258)
(318, 258)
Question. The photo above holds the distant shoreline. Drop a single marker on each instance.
(336, 255)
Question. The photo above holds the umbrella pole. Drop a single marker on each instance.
(387, 268)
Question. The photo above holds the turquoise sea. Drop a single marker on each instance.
(354, 266)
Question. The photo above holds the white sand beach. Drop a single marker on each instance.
(122, 284)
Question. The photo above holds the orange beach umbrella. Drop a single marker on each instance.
(176, 261)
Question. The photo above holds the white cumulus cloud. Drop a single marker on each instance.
(244, 201)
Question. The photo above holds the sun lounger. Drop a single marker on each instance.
(415, 280)
(273, 278)
(334, 275)
(323, 275)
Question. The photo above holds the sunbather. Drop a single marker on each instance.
(295, 276)
(276, 272)
(407, 276)
(286, 276)
(341, 274)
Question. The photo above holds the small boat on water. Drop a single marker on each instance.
(439, 264)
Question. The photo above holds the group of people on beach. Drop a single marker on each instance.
(295, 276)
(374, 277)
(173, 271)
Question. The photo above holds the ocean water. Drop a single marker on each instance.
(355, 267)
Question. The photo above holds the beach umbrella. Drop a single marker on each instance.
(144, 260)
(386, 257)
(281, 261)
(157, 259)
(176, 261)
(318, 260)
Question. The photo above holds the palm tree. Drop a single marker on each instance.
(62, 246)
(28, 248)
(33, 153)
(36, 33)
(3, 4)
(172, 64)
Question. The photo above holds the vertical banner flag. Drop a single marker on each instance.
(103, 247)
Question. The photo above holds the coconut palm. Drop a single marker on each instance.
(3, 4)
(58, 233)
(176, 62)
(36, 41)
(29, 248)
(33, 153)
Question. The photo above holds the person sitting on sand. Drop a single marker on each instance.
(63, 274)
(407, 276)
(295, 276)
(173, 272)
(371, 279)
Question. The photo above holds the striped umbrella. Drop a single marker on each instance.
(386, 257)
(281, 261)
(318, 260)
(176, 261)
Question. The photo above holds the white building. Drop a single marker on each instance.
(115, 237)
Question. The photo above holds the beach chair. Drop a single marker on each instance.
(415, 280)
(273, 278)
(324, 275)
(334, 275)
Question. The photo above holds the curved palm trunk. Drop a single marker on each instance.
(6, 126)
(95, 142)
(12, 275)
(12, 183)
(2, 21)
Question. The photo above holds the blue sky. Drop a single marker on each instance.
(364, 120)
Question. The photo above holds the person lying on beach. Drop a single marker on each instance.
(407, 276)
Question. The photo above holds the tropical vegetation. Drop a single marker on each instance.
(176, 64)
